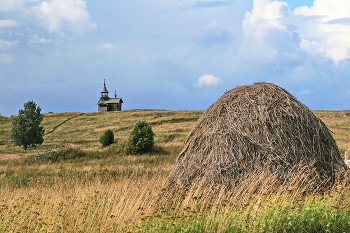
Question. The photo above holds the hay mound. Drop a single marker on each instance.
(257, 129)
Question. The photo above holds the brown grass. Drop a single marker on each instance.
(89, 195)
(86, 207)
(118, 193)
(89, 205)
(339, 124)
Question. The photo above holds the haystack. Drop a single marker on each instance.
(257, 129)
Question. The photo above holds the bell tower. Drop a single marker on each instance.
(104, 92)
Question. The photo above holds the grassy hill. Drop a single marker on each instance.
(84, 129)
(94, 189)
(170, 127)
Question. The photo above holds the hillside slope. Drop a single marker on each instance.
(170, 127)
(84, 129)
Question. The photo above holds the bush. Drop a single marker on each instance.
(66, 154)
(107, 138)
(141, 139)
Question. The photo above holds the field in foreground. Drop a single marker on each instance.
(98, 189)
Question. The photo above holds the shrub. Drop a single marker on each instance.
(66, 154)
(141, 139)
(107, 138)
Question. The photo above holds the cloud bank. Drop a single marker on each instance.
(6, 58)
(306, 50)
(7, 44)
(323, 29)
(329, 29)
(8, 5)
(57, 14)
(7, 23)
(36, 40)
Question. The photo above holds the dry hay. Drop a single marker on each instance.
(347, 157)
(257, 129)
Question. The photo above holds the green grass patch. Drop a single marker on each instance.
(316, 215)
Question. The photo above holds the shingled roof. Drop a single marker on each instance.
(110, 101)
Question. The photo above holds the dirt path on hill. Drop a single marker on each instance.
(63, 122)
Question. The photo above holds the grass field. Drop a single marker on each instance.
(94, 189)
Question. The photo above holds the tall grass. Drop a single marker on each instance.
(118, 193)
(99, 191)
(289, 209)
(103, 190)
(85, 205)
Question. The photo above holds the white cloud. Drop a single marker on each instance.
(276, 9)
(7, 44)
(266, 37)
(106, 47)
(305, 92)
(36, 40)
(6, 58)
(312, 47)
(272, 30)
(55, 15)
(11, 33)
(7, 23)
(263, 22)
(331, 29)
(7, 5)
(213, 23)
(208, 80)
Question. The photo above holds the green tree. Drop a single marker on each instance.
(26, 130)
(107, 138)
(141, 139)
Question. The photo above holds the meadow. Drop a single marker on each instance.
(87, 188)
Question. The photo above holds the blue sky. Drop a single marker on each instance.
(174, 55)
(297, 3)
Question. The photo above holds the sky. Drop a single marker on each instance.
(173, 55)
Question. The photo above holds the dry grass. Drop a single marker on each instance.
(97, 202)
(77, 206)
(109, 192)
(87, 194)
(339, 124)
